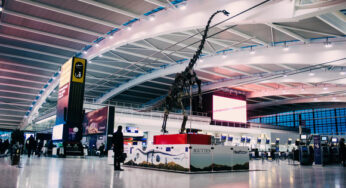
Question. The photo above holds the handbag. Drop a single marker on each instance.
(123, 157)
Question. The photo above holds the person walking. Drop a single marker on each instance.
(39, 148)
(102, 149)
(342, 151)
(118, 147)
(30, 145)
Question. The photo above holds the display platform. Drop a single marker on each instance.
(167, 139)
(181, 157)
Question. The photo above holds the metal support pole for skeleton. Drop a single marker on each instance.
(190, 107)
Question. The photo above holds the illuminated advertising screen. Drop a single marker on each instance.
(58, 132)
(95, 122)
(63, 94)
(228, 109)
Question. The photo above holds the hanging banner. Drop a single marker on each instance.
(317, 149)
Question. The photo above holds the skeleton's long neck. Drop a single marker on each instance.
(200, 48)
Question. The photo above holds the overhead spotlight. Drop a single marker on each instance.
(100, 55)
(129, 28)
(0, 8)
(302, 89)
(285, 75)
(286, 48)
(85, 52)
(252, 52)
(311, 74)
(325, 88)
(111, 36)
(97, 45)
(152, 18)
(201, 60)
(182, 7)
(328, 45)
(90, 62)
(342, 73)
(224, 56)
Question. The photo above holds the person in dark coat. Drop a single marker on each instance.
(102, 149)
(342, 151)
(39, 148)
(118, 147)
(30, 145)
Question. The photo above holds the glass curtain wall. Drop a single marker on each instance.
(319, 121)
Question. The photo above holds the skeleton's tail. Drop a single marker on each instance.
(204, 37)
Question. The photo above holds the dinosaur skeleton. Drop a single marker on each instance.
(184, 80)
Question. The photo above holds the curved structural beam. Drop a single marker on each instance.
(323, 99)
(312, 54)
(298, 91)
(196, 13)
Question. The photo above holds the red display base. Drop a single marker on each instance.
(169, 139)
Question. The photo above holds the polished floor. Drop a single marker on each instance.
(95, 172)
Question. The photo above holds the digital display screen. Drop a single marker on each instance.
(267, 141)
(258, 140)
(324, 138)
(223, 137)
(95, 122)
(27, 135)
(248, 140)
(334, 140)
(58, 132)
(228, 109)
(303, 137)
(242, 139)
(230, 139)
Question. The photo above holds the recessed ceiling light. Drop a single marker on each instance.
(342, 73)
(311, 74)
(85, 52)
(201, 60)
(182, 7)
(325, 88)
(252, 52)
(129, 28)
(224, 56)
(151, 18)
(111, 36)
(286, 48)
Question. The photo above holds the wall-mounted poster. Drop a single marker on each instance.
(95, 122)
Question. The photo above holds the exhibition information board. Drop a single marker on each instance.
(188, 157)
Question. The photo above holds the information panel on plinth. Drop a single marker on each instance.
(187, 153)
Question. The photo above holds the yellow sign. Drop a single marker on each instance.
(78, 72)
(65, 74)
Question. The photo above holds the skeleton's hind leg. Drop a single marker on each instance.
(183, 125)
(164, 124)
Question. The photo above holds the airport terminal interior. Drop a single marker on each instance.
(172, 93)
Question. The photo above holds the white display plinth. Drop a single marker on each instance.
(188, 157)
